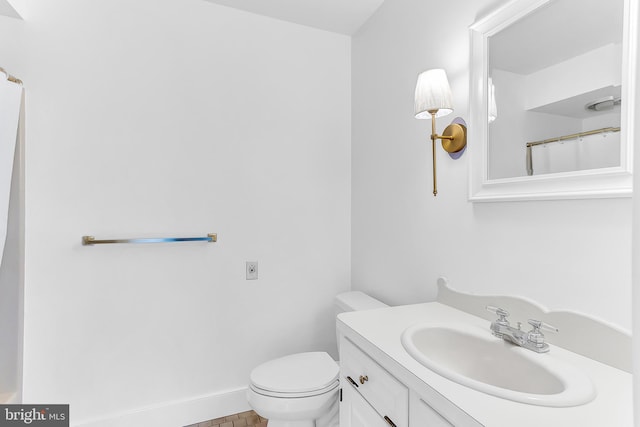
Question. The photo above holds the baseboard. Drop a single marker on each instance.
(178, 413)
(8, 398)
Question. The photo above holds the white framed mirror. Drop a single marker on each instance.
(552, 100)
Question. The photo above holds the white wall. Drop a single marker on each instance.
(591, 71)
(176, 117)
(565, 254)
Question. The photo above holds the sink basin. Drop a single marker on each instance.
(471, 356)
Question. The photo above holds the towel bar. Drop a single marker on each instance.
(90, 240)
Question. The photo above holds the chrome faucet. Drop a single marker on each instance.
(532, 340)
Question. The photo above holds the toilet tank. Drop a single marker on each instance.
(355, 301)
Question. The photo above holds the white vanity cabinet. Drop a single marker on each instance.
(356, 412)
(371, 396)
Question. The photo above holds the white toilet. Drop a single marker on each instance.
(301, 390)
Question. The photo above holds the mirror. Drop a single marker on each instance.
(551, 104)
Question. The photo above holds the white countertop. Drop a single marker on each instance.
(378, 333)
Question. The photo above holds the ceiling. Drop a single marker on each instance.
(556, 32)
(7, 10)
(338, 16)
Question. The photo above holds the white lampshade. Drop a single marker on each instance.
(493, 107)
(433, 93)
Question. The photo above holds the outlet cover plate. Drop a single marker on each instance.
(252, 270)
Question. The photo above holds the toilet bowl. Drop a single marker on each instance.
(296, 390)
(301, 390)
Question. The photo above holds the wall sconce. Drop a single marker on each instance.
(434, 99)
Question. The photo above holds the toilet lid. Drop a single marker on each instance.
(296, 373)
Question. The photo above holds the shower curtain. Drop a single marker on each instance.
(588, 152)
(10, 99)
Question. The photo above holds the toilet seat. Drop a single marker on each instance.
(285, 395)
(296, 375)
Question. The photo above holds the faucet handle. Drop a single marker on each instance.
(500, 312)
(536, 338)
(538, 325)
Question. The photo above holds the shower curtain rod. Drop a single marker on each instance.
(573, 136)
(10, 77)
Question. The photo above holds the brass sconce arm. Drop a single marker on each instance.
(454, 139)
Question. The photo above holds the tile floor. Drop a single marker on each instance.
(243, 419)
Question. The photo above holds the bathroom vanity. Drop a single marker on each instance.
(382, 384)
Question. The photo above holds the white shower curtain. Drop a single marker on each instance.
(589, 152)
(10, 98)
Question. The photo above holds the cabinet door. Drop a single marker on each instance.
(379, 388)
(356, 412)
(423, 415)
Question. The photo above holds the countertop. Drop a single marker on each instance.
(378, 333)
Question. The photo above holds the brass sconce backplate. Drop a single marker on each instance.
(455, 138)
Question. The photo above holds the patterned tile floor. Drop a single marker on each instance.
(243, 419)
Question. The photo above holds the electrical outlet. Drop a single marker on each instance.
(252, 270)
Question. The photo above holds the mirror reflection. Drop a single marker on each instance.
(554, 92)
